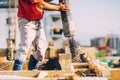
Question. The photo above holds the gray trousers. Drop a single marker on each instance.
(31, 32)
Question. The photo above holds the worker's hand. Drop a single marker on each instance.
(64, 7)
(52, 7)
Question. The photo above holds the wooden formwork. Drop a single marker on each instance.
(40, 75)
(65, 61)
(68, 71)
(104, 71)
(7, 66)
(2, 55)
(115, 74)
(90, 52)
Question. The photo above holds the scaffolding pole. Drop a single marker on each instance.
(15, 25)
(9, 49)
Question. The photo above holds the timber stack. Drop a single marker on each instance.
(70, 70)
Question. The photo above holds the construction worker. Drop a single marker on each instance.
(30, 13)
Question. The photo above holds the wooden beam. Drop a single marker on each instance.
(36, 75)
(80, 64)
(65, 61)
(81, 70)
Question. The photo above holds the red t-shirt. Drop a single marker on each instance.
(27, 9)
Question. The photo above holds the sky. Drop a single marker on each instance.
(95, 18)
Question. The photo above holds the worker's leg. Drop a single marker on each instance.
(40, 48)
(33, 63)
(27, 35)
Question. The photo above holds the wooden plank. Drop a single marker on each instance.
(6, 66)
(20, 73)
(2, 55)
(105, 72)
(92, 78)
(90, 52)
(13, 77)
(2, 59)
(80, 64)
(53, 53)
(65, 61)
(36, 75)
(55, 74)
(9, 64)
(115, 74)
(2, 52)
(81, 70)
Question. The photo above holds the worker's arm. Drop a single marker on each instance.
(36, 1)
(52, 7)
